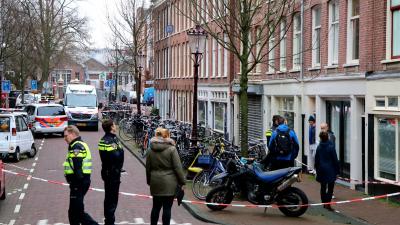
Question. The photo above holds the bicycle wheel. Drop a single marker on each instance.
(201, 184)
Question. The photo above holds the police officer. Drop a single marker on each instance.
(112, 158)
(77, 170)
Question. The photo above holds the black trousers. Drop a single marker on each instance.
(76, 211)
(164, 202)
(327, 191)
(111, 189)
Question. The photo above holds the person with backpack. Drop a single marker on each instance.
(283, 146)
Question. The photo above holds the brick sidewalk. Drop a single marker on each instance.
(384, 213)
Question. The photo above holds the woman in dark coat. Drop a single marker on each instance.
(163, 172)
(327, 167)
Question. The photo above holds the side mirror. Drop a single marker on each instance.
(61, 102)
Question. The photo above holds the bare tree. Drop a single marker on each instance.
(23, 59)
(129, 26)
(244, 28)
(58, 30)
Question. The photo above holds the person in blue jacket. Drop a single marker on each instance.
(327, 167)
(283, 146)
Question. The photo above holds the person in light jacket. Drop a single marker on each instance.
(163, 173)
(327, 168)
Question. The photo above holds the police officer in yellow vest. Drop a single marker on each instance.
(112, 159)
(77, 170)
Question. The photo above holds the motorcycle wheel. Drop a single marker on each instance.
(293, 196)
(220, 194)
(201, 185)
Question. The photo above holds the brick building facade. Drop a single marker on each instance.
(339, 61)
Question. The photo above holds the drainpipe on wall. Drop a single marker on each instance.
(303, 110)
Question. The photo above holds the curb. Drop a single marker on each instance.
(334, 216)
(194, 212)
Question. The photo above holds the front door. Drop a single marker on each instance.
(338, 117)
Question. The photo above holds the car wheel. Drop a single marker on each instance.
(17, 155)
(32, 152)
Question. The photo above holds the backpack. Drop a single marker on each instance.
(283, 143)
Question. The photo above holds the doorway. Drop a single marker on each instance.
(338, 117)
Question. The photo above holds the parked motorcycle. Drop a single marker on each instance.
(259, 187)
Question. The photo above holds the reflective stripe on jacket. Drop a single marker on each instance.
(86, 159)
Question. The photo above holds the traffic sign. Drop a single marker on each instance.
(109, 83)
(6, 86)
(34, 85)
(169, 29)
(46, 85)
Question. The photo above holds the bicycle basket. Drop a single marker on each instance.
(205, 160)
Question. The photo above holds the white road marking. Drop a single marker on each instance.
(22, 196)
(36, 158)
(17, 208)
(138, 221)
(29, 177)
(40, 148)
(11, 222)
(34, 164)
(31, 171)
(42, 222)
(26, 186)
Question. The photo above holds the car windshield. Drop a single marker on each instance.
(51, 111)
(81, 100)
(4, 124)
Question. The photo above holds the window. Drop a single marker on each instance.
(202, 113)
(287, 110)
(379, 101)
(316, 36)
(388, 130)
(77, 75)
(4, 124)
(296, 41)
(282, 52)
(333, 32)
(353, 38)
(258, 48)
(214, 57)
(395, 10)
(207, 59)
(271, 54)
(219, 116)
(393, 102)
(220, 59)
(226, 54)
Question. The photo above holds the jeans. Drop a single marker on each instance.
(76, 211)
(327, 191)
(164, 202)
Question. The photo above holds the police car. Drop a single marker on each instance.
(47, 118)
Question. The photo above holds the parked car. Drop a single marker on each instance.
(47, 118)
(15, 136)
(12, 97)
(2, 182)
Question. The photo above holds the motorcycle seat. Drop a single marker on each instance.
(271, 176)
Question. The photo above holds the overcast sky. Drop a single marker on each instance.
(96, 12)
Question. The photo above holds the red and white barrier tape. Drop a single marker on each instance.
(18, 167)
(361, 181)
(206, 203)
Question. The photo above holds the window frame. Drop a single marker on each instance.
(392, 10)
(296, 38)
(314, 38)
(377, 149)
(350, 36)
(333, 59)
(283, 46)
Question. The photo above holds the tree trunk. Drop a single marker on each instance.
(243, 103)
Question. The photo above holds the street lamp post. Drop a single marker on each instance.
(140, 66)
(197, 38)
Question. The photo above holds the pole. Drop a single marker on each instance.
(116, 71)
(195, 79)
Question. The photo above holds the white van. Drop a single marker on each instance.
(80, 104)
(15, 136)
